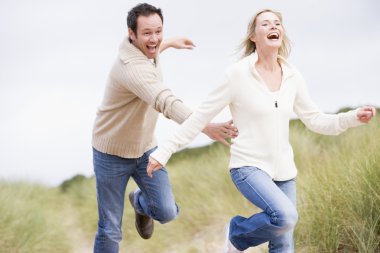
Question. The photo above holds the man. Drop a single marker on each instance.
(124, 128)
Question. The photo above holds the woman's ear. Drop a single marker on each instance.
(252, 38)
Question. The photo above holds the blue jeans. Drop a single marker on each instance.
(153, 198)
(276, 222)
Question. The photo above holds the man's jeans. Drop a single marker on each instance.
(276, 223)
(153, 198)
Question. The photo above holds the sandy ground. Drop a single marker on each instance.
(210, 240)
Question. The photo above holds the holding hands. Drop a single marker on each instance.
(153, 165)
(216, 131)
(221, 131)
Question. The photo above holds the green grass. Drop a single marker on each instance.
(338, 201)
(338, 185)
(30, 219)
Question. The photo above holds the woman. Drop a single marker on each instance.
(262, 91)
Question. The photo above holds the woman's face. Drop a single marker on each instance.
(268, 31)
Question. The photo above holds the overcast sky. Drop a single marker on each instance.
(55, 57)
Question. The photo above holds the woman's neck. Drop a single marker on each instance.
(268, 60)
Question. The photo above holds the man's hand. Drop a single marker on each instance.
(221, 131)
(153, 165)
(178, 43)
(366, 113)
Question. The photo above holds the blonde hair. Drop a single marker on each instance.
(249, 46)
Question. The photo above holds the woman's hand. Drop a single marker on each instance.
(153, 165)
(366, 113)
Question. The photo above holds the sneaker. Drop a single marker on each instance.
(144, 224)
(228, 246)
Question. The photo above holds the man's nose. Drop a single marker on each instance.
(154, 37)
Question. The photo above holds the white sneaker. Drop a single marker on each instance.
(228, 246)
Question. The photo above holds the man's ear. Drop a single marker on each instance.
(132, 35)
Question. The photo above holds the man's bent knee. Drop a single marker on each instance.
(165, 214)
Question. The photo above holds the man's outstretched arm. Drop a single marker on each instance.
(177, 42)
(170, 106)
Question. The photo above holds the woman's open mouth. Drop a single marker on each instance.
(273, 36)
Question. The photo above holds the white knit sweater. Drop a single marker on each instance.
(262, 118)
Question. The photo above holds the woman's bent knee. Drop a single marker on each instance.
(285, 219)
(290, 218)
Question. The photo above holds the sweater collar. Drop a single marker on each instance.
(287, 68)
(128, 52)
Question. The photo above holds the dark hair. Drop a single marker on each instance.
(143, 9)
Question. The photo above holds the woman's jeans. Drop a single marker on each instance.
(153, 198)
(276, 222)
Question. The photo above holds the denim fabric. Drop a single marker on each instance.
(275, 224)
(153, 198)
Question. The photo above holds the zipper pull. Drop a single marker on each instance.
(275, 104)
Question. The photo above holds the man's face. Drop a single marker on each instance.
(149, 35)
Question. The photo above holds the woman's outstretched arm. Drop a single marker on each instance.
(189, 129)
(328, 124)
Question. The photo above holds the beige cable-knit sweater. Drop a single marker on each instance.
(133, 97)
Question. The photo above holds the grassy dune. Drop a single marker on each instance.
(339, 190)
(338, 202)
(30, 219)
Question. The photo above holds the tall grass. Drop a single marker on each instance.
(338, 202)
(339, 196)
(30, 221)
(80, 193)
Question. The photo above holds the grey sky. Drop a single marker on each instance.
(55, 57)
